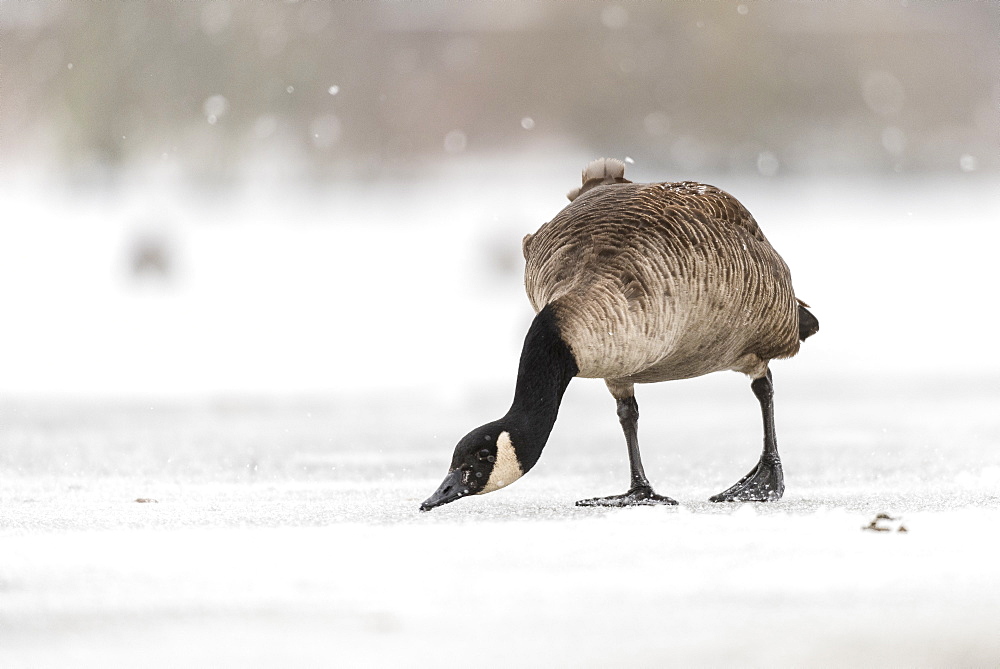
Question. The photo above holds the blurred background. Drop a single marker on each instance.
(300, 197)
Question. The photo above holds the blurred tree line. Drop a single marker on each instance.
(339, 89)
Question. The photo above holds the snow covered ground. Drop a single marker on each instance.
(289, 396)
(287, 534)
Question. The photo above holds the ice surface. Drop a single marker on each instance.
(287, 533)
(293, 390)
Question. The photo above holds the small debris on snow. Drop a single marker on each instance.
(883, 522)
(146, 500)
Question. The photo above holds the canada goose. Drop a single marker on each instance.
(639, 283)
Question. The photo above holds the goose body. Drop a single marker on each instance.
(639, 283)
(656, 282)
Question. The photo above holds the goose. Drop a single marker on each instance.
(639, 283)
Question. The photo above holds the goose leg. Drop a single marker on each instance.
(765, 482)
(640, 492)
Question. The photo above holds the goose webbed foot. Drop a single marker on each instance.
(638, 495)
(764, 483)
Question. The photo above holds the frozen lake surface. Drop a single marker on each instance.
(286, 532)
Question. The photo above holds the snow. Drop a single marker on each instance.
(287, 533)
(288, 399)
(649, 586)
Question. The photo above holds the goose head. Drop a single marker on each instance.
(496, 454)
(485, 460)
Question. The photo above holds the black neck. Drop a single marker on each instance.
(546, 368)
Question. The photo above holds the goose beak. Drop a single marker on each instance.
(451, 489)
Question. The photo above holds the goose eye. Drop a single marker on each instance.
(484, 454)
(491, 459)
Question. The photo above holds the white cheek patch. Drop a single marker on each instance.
(506, 469)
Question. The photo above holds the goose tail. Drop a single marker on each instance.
(600, 172)
(808, 324)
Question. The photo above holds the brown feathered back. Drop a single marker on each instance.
(652, 282)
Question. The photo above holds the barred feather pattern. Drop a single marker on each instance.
(653, 282)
